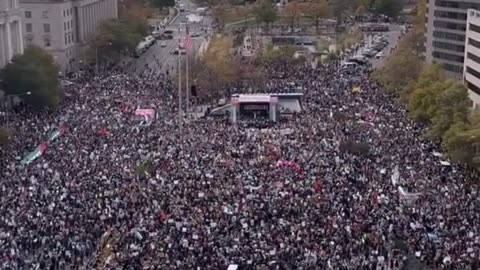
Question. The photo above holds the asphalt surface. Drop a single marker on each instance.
(158, 58)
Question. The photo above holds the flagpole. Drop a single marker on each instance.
(179, 86)
(187, 74)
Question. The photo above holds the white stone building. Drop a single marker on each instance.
(471, 67)
(11, 41)
(65, 28)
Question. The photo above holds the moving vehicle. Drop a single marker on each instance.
(197, 34)
(163, 44)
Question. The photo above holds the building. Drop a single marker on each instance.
(11, 41)
(445, 36)
(471, 70)
(65, 28)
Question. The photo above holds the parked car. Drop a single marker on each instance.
(379, 55)
(163, 44)
(369, 53)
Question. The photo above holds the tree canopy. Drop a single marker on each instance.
(34, 72)
(266, 12)
(317, 10)
(162, 3)
(119, 37)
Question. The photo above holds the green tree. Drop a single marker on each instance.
(116, 38)
(278, 55)
(451, 107)
(316, 10)
(162, 3)
(390, 8)
(399, 72)
(35, 72)
(266, 13)
(422, 98)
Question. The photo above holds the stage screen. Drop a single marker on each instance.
(254, 110)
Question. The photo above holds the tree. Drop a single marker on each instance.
(399, 72)
(278, 55)
(390, 8)
(116, 38)
(162, 3)
(266, 13)
(134, 11)
(292, 11)
(461, 140)
(35, 72)
(316, 10)
(451, 107)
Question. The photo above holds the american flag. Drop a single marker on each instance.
(188, 41)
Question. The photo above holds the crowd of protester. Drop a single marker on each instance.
(126, 192)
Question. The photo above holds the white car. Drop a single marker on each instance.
(379, 55)
(163, 44)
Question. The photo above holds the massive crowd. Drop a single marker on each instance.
(128, 192)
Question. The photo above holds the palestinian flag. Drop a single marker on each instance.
(40, 150)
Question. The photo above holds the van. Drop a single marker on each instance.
(349, 65)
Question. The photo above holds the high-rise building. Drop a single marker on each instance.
(471, 70)
(65, 28)
(445, 36)
(11, 41)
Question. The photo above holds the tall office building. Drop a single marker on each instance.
(11, 40)
(65, 28)
(471, 70)
(445, 37)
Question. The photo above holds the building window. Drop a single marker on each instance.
(45, 14)
(29, 41)
(28, 27)
(450, 15)
(448, 56)
(451, 36)
(11, 4)
(28, 14)
(450, 25)
(474, 28)
(449, 46)
(475, 73)
(474, 43)
(46, 27)
(452, 68)
(46, 42)
(473, 57)
(472, 87)
(66, 40)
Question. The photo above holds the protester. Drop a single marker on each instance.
(133, 191)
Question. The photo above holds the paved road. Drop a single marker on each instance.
(393, 37)
(160, 58)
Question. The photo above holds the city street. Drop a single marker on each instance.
(160, 58)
